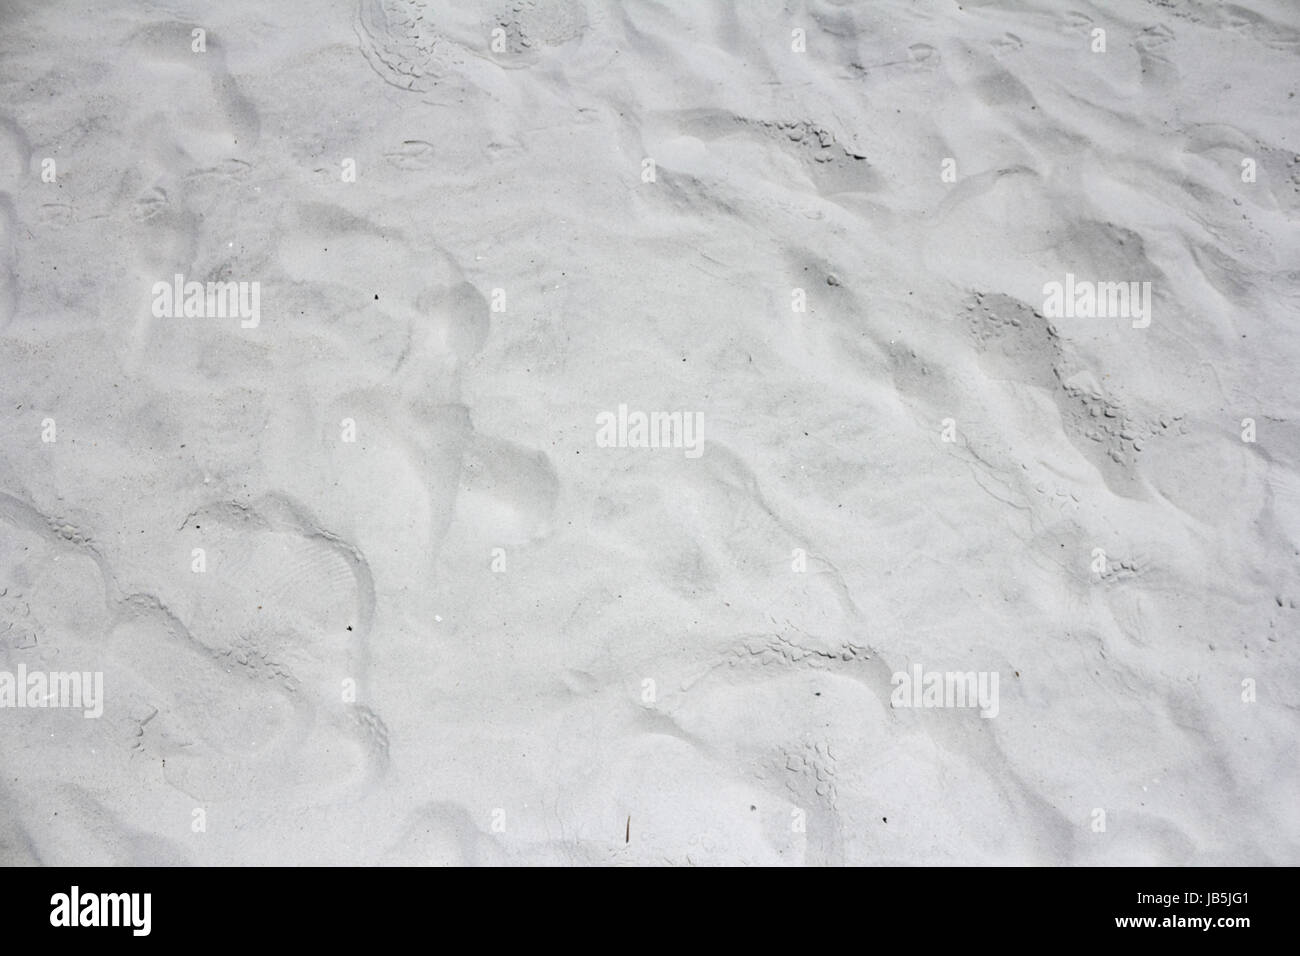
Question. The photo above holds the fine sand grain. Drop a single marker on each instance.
(878, 557)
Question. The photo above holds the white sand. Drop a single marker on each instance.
(359, 675)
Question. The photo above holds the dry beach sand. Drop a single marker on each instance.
(366, 580)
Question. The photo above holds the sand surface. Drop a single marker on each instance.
(367, 581)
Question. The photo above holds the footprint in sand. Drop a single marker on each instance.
(507, 492)
(231, 679)
(402, 45)
(1076, 22)
(412, 154)
(924, 56)
(248, 679)
(186, 116)
(1246, 23)
(1155, 44)
(531, 25)
(385, 458)
(397, 461)
(187, 103)
(1006, 44)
